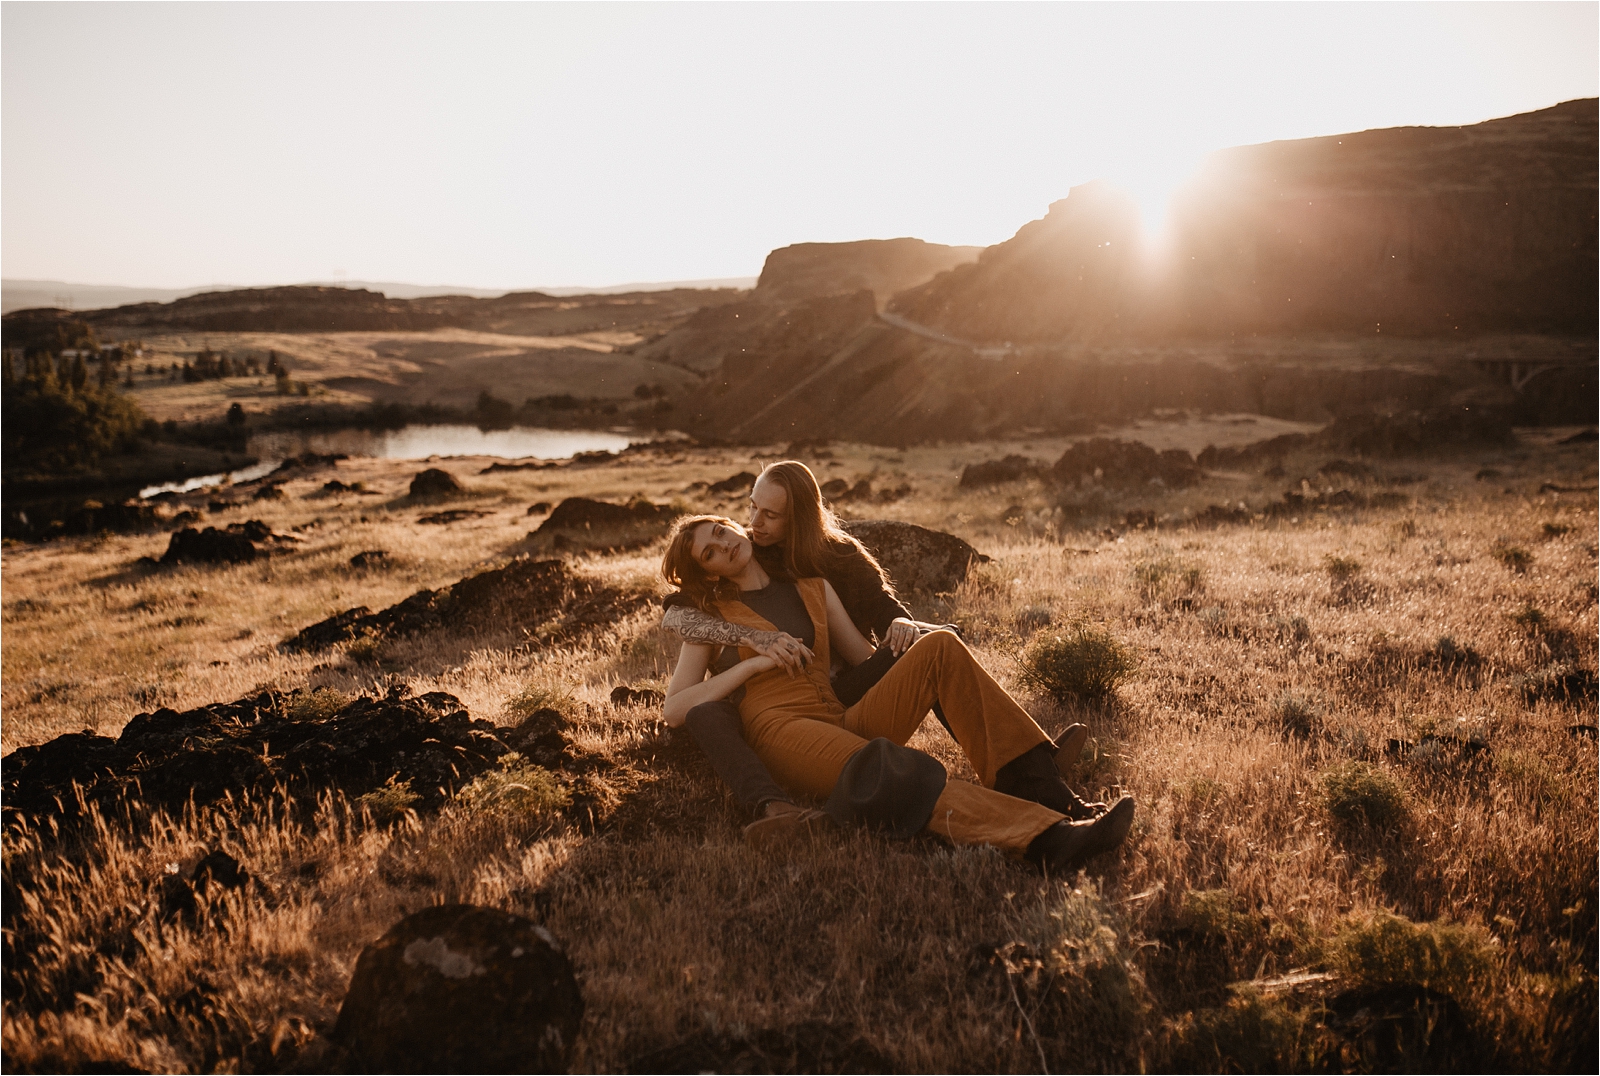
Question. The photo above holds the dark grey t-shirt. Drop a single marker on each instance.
(780, 603)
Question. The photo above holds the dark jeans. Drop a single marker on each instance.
(715, 727)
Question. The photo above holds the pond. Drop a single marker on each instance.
(407, 443)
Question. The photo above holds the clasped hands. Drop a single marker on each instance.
(792, 656)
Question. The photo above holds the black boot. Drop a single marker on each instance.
(1066, 846)
(1032, 775)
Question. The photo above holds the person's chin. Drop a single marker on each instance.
(762, 540)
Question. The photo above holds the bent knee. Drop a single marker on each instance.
(939, 641)
(712, 717)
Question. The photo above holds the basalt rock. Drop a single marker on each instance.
(460, 988)
(210, 546)
(166, 759)
(434, 483)
(916, 558)
(370, 558)
(540, 592)
(992, 472)
(581, 523)
(733, 484)
(1104, 461)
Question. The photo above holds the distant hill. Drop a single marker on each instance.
(17, 294)
(1299, 278)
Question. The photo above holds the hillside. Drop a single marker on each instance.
(1396, 268)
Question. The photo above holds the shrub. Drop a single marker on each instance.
(1341, 570)
(1251, 1033)
(1530, 617)
(535, 697)
(516, 786)
(319, 705)
(1386, 948)
(1083, 662)
(390, 802)
(1512, 557)
(1361, 794)
(1291, 629)
(1297, 715)
(1556, 530)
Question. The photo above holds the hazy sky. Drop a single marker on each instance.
(514, 145)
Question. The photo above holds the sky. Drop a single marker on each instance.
(520, 145)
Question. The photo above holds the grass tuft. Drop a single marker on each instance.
(318, 705)
(516, 786)
(1382, 947)
(390, 802)
(1512, 557)
(1358, 793)
(1084, 663)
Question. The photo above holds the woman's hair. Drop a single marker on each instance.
(680, 569)
(816, 542)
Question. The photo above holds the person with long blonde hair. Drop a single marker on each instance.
(795, 535)
(855, 756)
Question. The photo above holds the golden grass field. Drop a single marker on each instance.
(1270, 653)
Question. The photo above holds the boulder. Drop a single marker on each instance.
(1112, 462)
(733, 484)
(628, 695)
(455, 515)
(210, 546)
(460, 988)
(581, 523)
(992, 472)
(434, 483)
(916, 558)
(370, 558)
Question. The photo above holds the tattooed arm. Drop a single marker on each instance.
(697, 627)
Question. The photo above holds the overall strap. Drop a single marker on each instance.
(816, 602)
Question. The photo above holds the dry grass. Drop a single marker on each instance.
(1262, 671)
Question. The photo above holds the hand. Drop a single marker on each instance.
(902, 633)
(787, 652)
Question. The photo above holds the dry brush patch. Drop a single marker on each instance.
(1300, 738)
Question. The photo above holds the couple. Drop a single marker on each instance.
(764, 620)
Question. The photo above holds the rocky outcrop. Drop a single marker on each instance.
(525, 592)
(238, 543)
(1438, 230)
(1011, 468)
(434, 482)
(461, 988)
(280, 310)
(916, 558)
(1103, 461)
(307, 744)
(581, 523)
(881, 266)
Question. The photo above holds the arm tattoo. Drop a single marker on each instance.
(697, 627)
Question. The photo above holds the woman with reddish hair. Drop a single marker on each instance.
(796, 536)
(855, 756)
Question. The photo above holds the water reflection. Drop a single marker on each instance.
(420, 442)
(410, 442)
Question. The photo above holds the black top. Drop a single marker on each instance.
(861, 589)
(866, 600)
(780, 603)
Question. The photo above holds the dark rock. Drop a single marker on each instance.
(434, 483)
(220, 506)
(308, 462)
(493, 467)
(538, 508)
(916, 558)
(336, 486)
(1215, 515)
(993, 472)
(834, 488)
(1124, 463)
(1581, 437)
(1560, 682)
(807, 1047)
(167, 758)
(734, 484)
(601, 456)
(1401, 1027)
(185, 518)
(624, 695)
(1407, 432)
(542, 737)
(216, 871)
(581, 523)
(270, 493)
(370, 558)
(543, 592)
(210, 546)
(455, 515)
(459, 988)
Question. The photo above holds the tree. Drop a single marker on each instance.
(236, 415)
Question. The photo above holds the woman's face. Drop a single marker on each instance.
(721, 549)
(769, 513)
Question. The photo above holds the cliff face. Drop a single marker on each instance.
(881, 266)
(1488, 228)
(288, 310)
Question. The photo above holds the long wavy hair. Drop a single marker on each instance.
(816, 543)
(681, 570)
